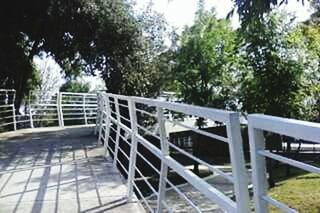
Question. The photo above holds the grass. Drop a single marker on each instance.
(301, 192)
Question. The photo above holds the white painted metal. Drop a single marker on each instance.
(259, 171)
(291, 162)
(231, 119)
(30, 118)
(238, 163)
(14, 117)
(107, 126)
(115, 158)
(134, 146)
(293, 128)
(79, 108)
(165, 153)
(278, 204)
(84, 109)
(59, 110)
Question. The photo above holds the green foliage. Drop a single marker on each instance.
(75, 86)
(205, 63)
(310, 34)
(148, 70)
(256, 9)
(104, 35)
(275, 81)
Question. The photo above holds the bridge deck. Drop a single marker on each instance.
(58, 170)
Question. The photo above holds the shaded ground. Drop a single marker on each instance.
(56, 170)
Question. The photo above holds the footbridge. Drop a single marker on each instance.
(113, 153)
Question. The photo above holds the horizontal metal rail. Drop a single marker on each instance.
(63, 108)
(111, 118)
(258, 125)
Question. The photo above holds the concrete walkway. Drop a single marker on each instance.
(58, 170)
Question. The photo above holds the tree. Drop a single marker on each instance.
(51, 78)
(148, 71)
(104, 35)
(277, 77)
(310, 38)
(75, 86)
(274, 82)
(205, 65)
(256, 9)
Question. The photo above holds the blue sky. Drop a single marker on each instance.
(179, 13)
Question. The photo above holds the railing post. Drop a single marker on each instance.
(98, 115)
(14, 117)
(116, 147)
(101, 107)
(133, 150)
(30, 116)
(164, 167)
(259, 171)
(240, 175)
(107, 125)
(59, 109)
(84, 109)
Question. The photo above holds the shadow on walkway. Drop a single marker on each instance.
(59, 171)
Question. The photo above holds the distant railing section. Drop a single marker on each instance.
(62, 109)
(7, 109)
(126, 126)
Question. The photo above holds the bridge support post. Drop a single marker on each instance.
(107, 124)
(133, 150)
(164, 167)
(30, 117)
(99, 113)
(259, 170)
(84, 109)
(238, 164)
(14, 117)
(116, 147)
(59, 109)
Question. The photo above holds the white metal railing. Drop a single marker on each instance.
(258, 124)
(64, 108)
(7, 109)
(129, 119)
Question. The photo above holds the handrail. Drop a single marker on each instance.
(64, 108)
(258, 125)
(110, 116)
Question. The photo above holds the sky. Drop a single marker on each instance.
(179, 13)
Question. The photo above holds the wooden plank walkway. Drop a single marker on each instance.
(59, 170)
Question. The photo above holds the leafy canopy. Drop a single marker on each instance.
(204, 62)
(275, 81)
(90, 35)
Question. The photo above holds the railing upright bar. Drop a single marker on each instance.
(84, 109)
(14, 117)
(238, 164)
(59, 109)
(99, 114)
(134, 144)
(30, 117)
(107, 125)
(258, 162)
(116, 147)
(165, 153)
(102, 109)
